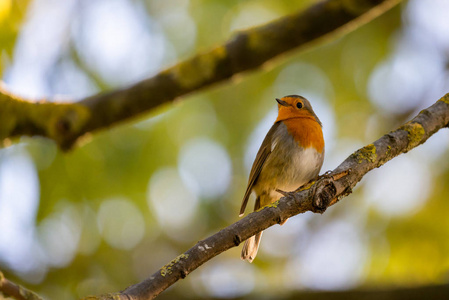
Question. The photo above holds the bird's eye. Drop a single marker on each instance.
(299, 105)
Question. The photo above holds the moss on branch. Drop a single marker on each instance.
(326, 191)
(53, 120)
(10, 289)
(247, 50)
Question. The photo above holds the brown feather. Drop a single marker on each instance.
(291, 154)
(251, 245)
(262, 155)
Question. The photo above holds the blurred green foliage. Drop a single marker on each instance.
(84, 242)
(11, 16)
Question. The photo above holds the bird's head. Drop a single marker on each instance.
(294, 106)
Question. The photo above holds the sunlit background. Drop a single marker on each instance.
(110, 213)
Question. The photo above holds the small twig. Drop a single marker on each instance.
(18, 292)
(326, 191)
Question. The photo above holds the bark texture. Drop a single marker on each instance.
(247, 50)
(316, 197)
(10, 289)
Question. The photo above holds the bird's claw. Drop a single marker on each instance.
(326, 174)
(325, 197)
(284, 193)
(334, 176)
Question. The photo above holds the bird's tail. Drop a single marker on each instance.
(250, 247)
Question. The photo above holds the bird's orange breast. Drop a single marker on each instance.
(306, 131)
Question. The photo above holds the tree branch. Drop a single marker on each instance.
(246, 51)
(325, 192)
(18, 292)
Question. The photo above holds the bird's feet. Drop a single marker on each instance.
(303, 187)
(325, 194)
(326, 174)
(285, 194)
(326, 190)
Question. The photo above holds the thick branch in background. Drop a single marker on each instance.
(246, 51)
(317, 197)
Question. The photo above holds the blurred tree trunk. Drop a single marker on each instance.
(247, 50)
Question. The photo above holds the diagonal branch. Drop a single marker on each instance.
(325, 192)
(247, 50)
(10, 289)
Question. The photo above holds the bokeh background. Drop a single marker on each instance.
(133, 197)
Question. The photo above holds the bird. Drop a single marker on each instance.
(291, 155)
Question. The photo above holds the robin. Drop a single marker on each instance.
(290, 156)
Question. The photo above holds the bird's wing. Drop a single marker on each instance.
(265, 150)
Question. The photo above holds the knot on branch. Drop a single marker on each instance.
(237, 240)
(327, 191)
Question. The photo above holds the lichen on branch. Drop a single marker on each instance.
(317, 197)
(10, 289)
(247, 50)
(50, 119)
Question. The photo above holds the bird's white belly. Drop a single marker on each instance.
(305, 165)
(288, 167)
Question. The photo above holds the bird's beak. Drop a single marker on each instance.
(282, 102)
